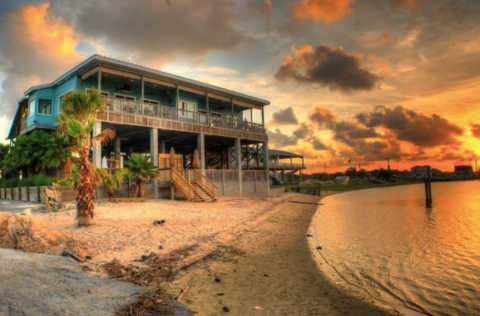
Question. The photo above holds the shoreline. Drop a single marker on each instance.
(331, 273)
(271, 269)
(258, 249)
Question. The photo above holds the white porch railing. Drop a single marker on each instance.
(170, 113)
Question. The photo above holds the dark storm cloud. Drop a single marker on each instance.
(284, 117)
(154, 30)
(281, 140)
(323, 117)
(362, 138)
(304, 132)
(329, 67)
(413, 127)
(476, 130)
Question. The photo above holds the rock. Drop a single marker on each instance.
(217, 280)
(226, 309)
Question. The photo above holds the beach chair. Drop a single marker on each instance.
(53, 199)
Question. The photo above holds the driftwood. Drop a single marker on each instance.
(183, 293)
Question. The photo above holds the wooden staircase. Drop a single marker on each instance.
(199, 189)
(207, 195)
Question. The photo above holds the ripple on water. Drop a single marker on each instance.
(385, 241)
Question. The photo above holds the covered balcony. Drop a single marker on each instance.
(142, 100)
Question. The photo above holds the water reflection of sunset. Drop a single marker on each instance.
(386, 241)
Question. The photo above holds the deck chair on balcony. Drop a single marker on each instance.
(53, 199)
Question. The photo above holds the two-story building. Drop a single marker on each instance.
(151, 111)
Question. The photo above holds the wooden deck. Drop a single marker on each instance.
(174, 125)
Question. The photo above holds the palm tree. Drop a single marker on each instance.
(113, 181)
(57, 153)
(77, 119)
(142, 168)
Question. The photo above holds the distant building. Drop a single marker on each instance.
(342, 179)
(420, 172)
(464, 170)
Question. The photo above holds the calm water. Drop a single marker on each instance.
(421, 261)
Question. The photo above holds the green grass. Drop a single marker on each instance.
(38, 180)
(339, 187)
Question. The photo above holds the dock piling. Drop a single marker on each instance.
(428, 189)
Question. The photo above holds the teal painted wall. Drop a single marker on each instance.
(52, 94)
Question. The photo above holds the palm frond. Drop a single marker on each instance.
(95, 177)
(105, 136)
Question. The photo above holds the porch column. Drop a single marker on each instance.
(99, 85)
(266, 166)
(301, 176)
(207, 103)
(97, 146)
(263, 117)
(142, 95)
(238, 159)
(201, 151)
(177, 96)
(233, 111)
(251, 115)
(154, 154)
(162, 147)
(229, 158)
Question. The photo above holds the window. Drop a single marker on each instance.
(61, 99)
(151, 102)
(31, 108)
(45, 106)
(187, 109)
(125, 97)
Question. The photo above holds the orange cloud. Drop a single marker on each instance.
(46, 35)
(373, 39)
(379, 65)
(35, 47)
(321, 10)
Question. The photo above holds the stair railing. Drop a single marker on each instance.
(182, 184)
(208, 184)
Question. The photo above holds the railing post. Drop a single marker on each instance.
(172, 189)
(223, 182)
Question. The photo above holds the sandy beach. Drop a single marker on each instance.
(241, 257)
(271, 272)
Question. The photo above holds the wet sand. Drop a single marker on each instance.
(270, 270)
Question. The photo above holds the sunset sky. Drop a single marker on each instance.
(360, 80)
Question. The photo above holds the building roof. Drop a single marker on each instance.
(283, 154)
(96, 59)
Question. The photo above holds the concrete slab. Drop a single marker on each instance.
(37, 284)
(18, 206)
